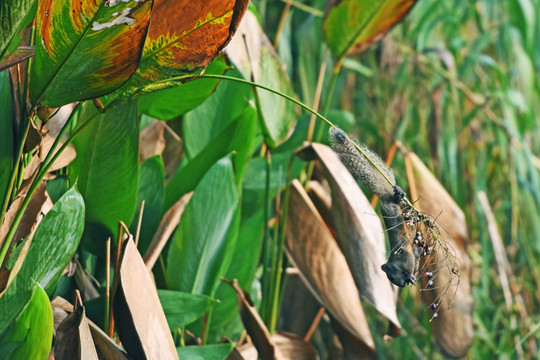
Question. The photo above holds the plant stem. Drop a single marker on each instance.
(12, 178)
(280, 250)
(266, 255)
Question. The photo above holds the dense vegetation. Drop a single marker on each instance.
(125, 126)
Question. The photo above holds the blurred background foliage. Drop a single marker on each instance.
(457, 83)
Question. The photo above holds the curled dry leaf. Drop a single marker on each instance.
(280, 346)
(138, 314)
(151, 140)
(73, 338)
(323, 267)
(103, 343)
(38, 206)
(453, 327)
(360, 234)
(254, 56)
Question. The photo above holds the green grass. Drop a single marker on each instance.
(457, 83)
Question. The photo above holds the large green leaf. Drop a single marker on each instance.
(206, 352)
(151, 190)
(351, 26)
(201, 125)
(204, 240)
(14, 16)
(30, 336)
(170, 103)
(86, 49)
(253, 54)
(106, 169)
(54, 244)
(237, 137)
(182, 308)
(243, 265)
(6, 133)
(184, 36)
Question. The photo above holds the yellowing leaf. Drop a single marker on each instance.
(86, 49)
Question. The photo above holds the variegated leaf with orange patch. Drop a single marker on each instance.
(86, 49)
(351, 26)
(183, 38)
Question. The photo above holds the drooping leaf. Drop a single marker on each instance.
(73, 338)
(261, 62)
(107, 170)
(6, 133)
(30, 335)
(21, 54)
(182, 308)
(151, 189)
(184, 36)
(151, 140)
(140, 319)
(359, 233)
(237, 137)
(201, 125)
(202, 246)
(351, 26)
(214, 352)
(170, 103)
(15, 15)
(315, 252)
(54, 244)
(106, 36)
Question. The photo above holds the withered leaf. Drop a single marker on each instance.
(360, 234)
(323, 267)
(138, 314)
(73, 338)
(453, 327)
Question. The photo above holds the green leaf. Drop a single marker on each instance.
(151, 190)
(243, 266)
(206, 352)
(106, 169)
(6, 133)
(203, 242)
(86, 49)
(54, 244)
(278, 113)
(170, 103)
(351, 26)
(183, 37)
(237, 137)
(57, 187)
(182, 308)
(15, 15)
(30, 335)
(201, 125)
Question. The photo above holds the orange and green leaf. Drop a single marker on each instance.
(183, 38)
(351, 26)
(86, 49)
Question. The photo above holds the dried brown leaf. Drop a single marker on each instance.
(168, 223)
(151, 140)
(453, 328)
(38, 206)
(323, 267)
(359, 233)
(73, 338)
(106, 347)
(138, 314)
